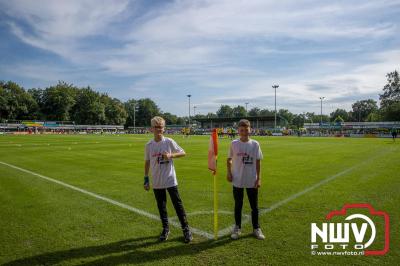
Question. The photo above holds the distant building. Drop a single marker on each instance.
(48, 126)
(353, 129)
(353, 125)
(258, 122)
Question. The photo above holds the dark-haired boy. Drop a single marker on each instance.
(243, 171)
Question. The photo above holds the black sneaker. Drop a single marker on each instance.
(164, 234)
(187, 235)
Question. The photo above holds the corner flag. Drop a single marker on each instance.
(213, 152)
(212, 165)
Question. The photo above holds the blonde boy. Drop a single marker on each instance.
(159, 153)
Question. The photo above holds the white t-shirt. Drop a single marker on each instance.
(162, 171)
(244, 156)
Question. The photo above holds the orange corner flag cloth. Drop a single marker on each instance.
(213, 151)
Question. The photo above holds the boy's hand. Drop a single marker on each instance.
(146, 184)
(229, 176)
(167, 155)
(257, 184)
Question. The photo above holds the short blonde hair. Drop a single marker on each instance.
(157, 121)
(244, 123)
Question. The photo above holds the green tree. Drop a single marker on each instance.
(225, 111)
(211, 115)
(130, 106)
(170, 119)
(374, 117)
(338, 119)
(199, 116)
(16, 103)
(37, 95)
(392, 112)
(239, 111)
(114, 111)
(180, 121)
(390, 99)
(147, 109)
(310, 117)
(298, 120)
(3, 103)
(361, 109)
(255, 111)
(286, 115)
(266, 112)
(88, 108)
(57, 101)
(339, 112)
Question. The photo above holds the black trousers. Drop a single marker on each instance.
(252, 195)
(161, 198)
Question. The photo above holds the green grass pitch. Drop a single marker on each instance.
(46, 223)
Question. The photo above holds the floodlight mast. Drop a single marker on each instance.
(320, 124)
(275, 87)
(189, 95)
(134, 116)
(321, 98)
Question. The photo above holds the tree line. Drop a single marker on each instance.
(66, 102)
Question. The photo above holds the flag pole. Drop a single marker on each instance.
(215, 204)
(212, 165)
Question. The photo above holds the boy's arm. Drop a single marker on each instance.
(258, 180)
(177, 151)
(146, 174)
(174, 155)
(229, 164)
(146, 167)
(229, 169)
(178, 154)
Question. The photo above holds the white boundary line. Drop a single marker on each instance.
(111, 201)
(207, 235)
(274, 206)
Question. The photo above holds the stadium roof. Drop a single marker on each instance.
(234, 119)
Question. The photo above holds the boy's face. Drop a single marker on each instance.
(244, 131)
(158, 130)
